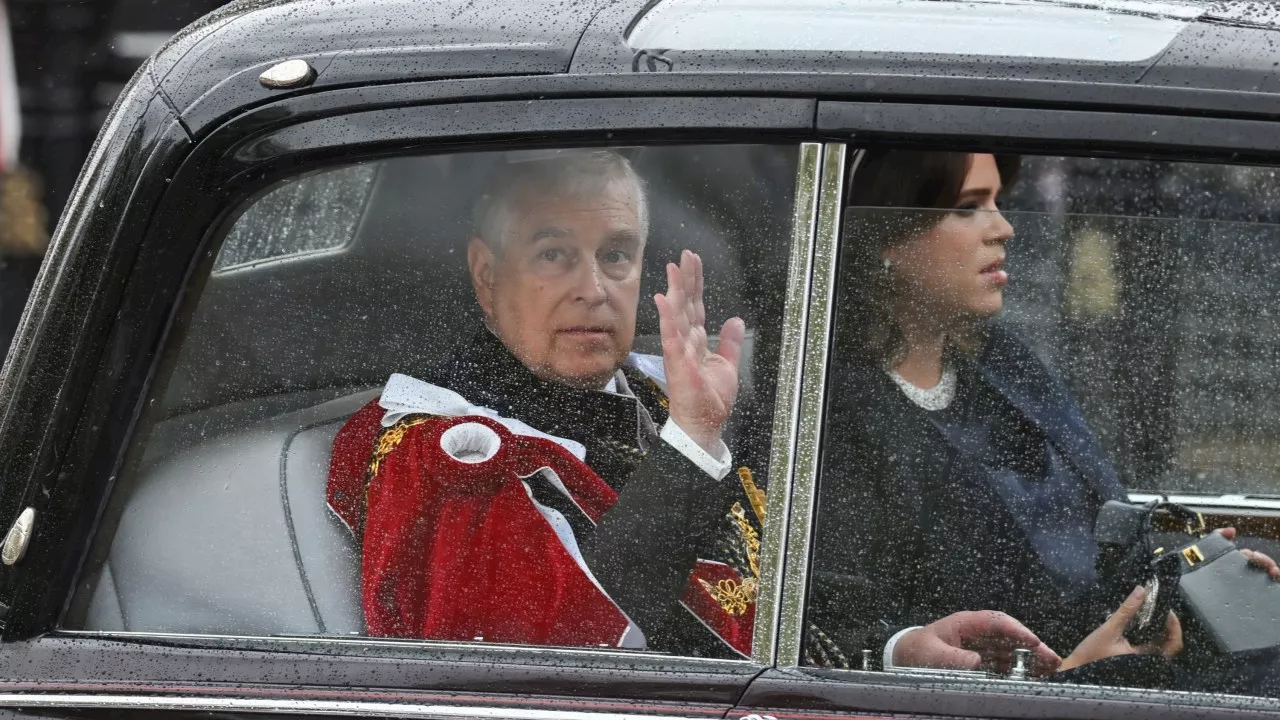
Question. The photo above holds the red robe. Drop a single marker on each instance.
(459, 551)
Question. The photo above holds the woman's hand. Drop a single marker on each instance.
(701, 385)
(1109, 640)
(972, 640)
(1262, 561)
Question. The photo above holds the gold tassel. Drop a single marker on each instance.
(754, 494)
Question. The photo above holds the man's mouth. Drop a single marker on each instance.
(995, 272)
(587, 331)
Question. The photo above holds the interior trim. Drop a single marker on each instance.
(288, 518)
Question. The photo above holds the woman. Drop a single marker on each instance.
(960, 481)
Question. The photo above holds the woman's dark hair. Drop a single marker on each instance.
(884, 183)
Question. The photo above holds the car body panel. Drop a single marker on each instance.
(211, 69)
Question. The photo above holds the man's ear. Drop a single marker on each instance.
(480, 265)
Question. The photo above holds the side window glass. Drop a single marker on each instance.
(302, 216)
(1018, 342)
(468, 419)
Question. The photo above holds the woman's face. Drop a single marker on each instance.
(954, 272)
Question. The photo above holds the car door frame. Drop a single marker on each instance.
(790, 690)
(159, 247)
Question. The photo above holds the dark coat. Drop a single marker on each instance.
(669, 512)
(910, 530)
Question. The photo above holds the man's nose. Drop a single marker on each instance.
(590, 283)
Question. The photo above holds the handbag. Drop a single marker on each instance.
(1237, 605)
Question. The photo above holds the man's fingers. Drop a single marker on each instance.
(1046, 660)
(699, 307)
(997, 628)
(732, 334)
(687, 265)
(1228, 533)
(675, 287)
(959, 659)
(954, 658)
(671, 326)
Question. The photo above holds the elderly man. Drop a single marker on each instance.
(555, 260)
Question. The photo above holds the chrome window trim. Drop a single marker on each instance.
(479, 651)
(302, 707)
(1254, 503)
(787, 402)
(809, 422)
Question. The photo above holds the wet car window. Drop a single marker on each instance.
(468, 418)
(305, 215)
(1019, 341)
(1094, 32)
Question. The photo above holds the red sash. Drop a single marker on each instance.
(459, 551)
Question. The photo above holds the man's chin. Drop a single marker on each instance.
(585, 376)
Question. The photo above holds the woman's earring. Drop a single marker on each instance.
(888, 265)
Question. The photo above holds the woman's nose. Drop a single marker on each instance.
(1001, 230)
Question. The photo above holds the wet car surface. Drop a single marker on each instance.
(236, 275)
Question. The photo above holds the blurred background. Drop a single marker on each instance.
(62, 64)
(72, 57)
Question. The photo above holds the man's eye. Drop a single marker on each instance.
(614, 257)
(551, 255)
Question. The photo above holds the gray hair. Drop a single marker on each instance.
(572, 173)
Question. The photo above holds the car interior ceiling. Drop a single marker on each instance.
(275, 356)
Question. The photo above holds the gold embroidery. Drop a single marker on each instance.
(750, 537)
(388, 440)
(754, 494)
(734, 598)
(657, 390)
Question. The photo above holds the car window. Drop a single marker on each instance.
(464, 422)
(1018, 341)
(304, 215)
(1091, 32)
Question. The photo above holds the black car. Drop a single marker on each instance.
(275, 218)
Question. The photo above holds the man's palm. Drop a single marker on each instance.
(701, 385)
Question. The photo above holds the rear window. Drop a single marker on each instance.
(303, 216)
(1094, 32)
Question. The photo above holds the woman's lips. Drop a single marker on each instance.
(995, 272)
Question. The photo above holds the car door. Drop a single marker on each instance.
(255, 290)
(1137, 275)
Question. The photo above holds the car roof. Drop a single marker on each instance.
(352, 42)
(210, 70)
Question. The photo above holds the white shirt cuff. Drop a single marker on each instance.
(716, 467)
(887, 661)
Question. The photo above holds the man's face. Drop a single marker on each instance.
(561, 288)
